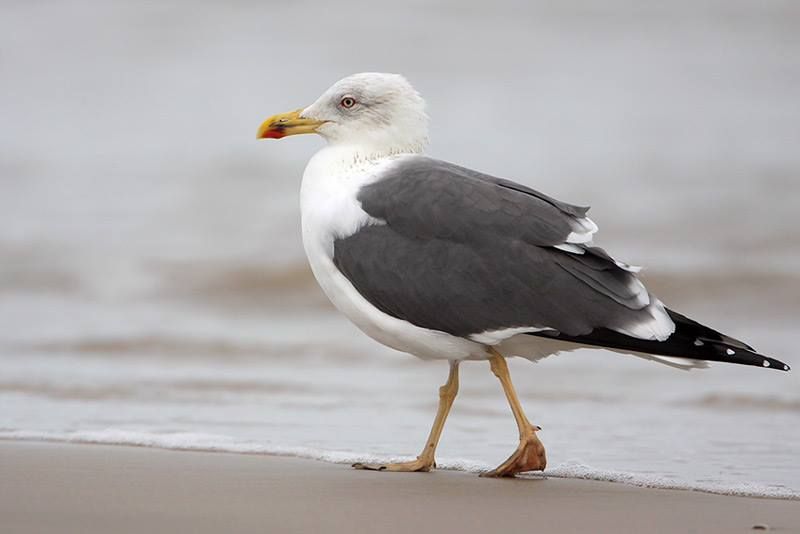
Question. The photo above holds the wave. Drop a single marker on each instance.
(190, 441)
(744, 402)
(158, 344)
(241, 284)
(248, 279)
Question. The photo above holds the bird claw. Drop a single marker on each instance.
(368, 467)
(529, 456)
(418, 465)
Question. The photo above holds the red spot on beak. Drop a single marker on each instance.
(274, 132)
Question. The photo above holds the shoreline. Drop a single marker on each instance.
(221, 445)
(63, 487)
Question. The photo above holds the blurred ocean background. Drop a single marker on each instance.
(153, 287)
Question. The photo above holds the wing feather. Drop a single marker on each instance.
(464, 253)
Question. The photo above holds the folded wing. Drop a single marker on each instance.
(466, 253)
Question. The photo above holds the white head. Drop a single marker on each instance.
(377, 113)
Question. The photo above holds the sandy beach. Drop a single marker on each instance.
(49, 487)
(156, 300)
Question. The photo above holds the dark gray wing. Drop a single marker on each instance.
(465, 253)
(427, 198)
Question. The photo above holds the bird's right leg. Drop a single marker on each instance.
(530, 454)
(425, 461)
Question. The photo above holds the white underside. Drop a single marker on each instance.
(330, 210)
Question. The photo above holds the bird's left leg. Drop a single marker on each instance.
(530, 454)
(425, 462)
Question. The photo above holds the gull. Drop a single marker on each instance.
(444, 262)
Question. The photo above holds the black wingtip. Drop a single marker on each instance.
(681, 345)
(734, 354)
(776, 364)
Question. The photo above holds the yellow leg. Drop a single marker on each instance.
(425, 462)
(530, 455)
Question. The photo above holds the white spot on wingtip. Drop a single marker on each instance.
(730, 352)
(698, 343)
(766, 363)
(785, 367)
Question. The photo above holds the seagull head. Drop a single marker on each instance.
(377, 112)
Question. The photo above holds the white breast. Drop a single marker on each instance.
(330, 210)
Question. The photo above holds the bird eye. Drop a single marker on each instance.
(348, 102)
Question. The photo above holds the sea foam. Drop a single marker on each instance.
(191, 441)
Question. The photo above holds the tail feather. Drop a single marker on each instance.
(690, 340)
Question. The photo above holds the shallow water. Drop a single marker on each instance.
(152, 284)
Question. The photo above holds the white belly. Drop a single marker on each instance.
(330, 211)
(388, 330)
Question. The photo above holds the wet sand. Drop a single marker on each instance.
(50, 487)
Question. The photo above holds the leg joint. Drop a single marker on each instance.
(497, 363)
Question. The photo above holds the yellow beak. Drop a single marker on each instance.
(290, 123)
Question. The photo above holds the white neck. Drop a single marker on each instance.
(329, 190)
(408, 135)
(343, 156)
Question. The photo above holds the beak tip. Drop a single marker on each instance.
(284, 124)
(270, 133)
